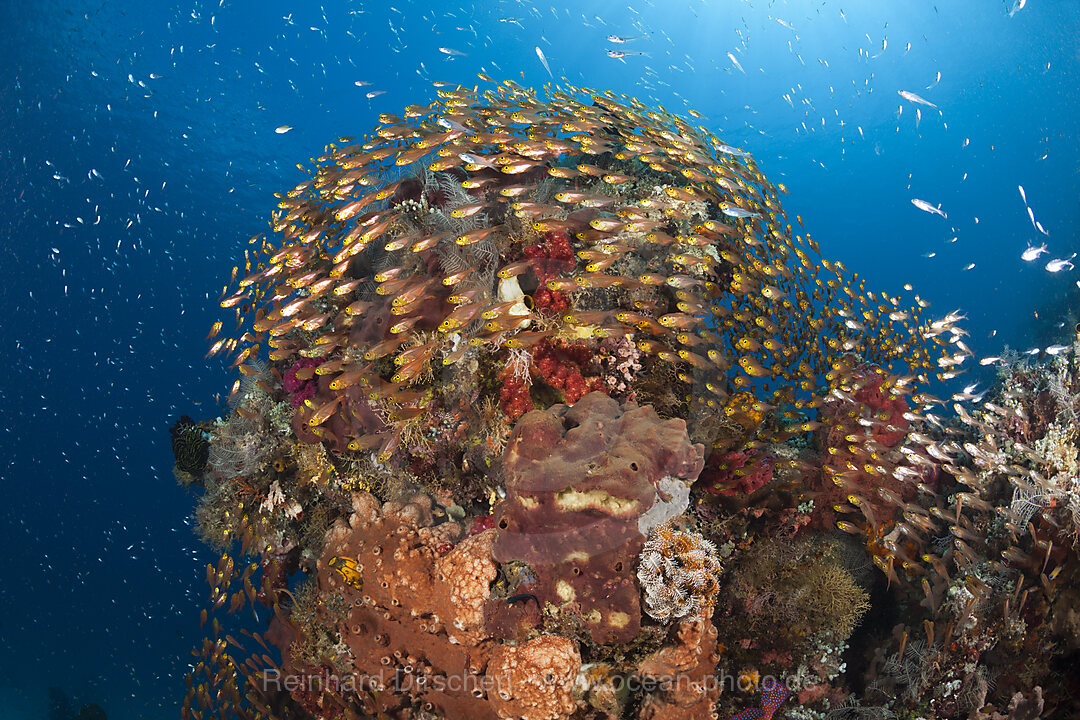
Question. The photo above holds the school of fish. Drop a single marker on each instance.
(680, 242)
(424, 250)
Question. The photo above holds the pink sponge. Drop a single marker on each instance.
(300, 388)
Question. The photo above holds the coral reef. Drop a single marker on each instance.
(546, 410)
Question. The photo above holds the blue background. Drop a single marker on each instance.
(138, 153)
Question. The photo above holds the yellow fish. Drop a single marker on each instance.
(349, 570)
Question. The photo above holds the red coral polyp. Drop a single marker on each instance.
(514, 399)
(563, 367)
(551, 257)
(550, 302)
(299, 388)
(737, 473)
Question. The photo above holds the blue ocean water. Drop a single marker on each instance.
(140, 152)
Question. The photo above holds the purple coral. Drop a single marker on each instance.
(301, 388)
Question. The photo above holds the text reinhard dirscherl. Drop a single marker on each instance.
(402, 680)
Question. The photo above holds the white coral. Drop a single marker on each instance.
(672, 500)
(293, 509)
(273, 498)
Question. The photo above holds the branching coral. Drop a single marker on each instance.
(842, 602)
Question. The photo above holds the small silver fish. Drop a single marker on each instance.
(452, 125)
(1057, 349)
(543, 61)
(728, 150)
(927, 207)
(1059, 265)
(912, 97)
(738, 212)
(477, 160)
(1033, 252)
(736, 63)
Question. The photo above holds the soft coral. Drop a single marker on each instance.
(563, 368)
(551, 256)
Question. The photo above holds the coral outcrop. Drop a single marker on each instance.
(534, 680)
(518, 369)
